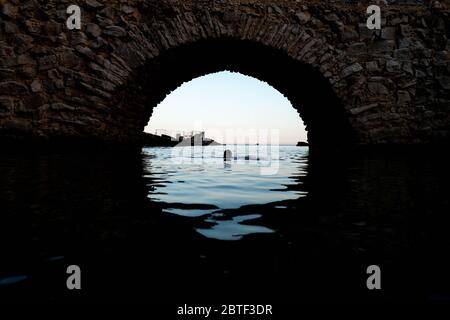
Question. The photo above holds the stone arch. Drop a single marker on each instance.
(309, 92)
(391, 86)
(277, 48)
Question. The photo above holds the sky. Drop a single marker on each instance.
(229, 107)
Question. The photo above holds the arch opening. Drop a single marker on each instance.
(309, 92)
(227, 108)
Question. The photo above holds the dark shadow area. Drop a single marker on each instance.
(93, 210)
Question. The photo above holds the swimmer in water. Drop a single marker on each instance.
(227, 155)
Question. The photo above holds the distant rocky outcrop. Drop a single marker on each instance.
(302, 144)
(152, 140)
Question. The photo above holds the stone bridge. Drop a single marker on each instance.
(348, 83)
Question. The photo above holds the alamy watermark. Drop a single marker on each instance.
(74, 20)
(260, 147)
(373, 282)
(74, 279)
(374, 20)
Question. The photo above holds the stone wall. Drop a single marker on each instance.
(391, 86)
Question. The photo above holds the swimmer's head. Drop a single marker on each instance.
(227, 155)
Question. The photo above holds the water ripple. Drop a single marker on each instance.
(197, 183)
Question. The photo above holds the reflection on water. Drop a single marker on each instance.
(148, 226)
(12, 280)
(232, 229)
(197, 182)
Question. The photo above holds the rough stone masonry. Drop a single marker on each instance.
(392, 86)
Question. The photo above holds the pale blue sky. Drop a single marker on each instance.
(224, 102)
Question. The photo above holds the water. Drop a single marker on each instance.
(197, 182)
(166, 225)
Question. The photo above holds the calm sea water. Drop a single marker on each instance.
(177, 223)
(197, 182)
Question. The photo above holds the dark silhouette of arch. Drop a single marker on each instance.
(309, 92)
